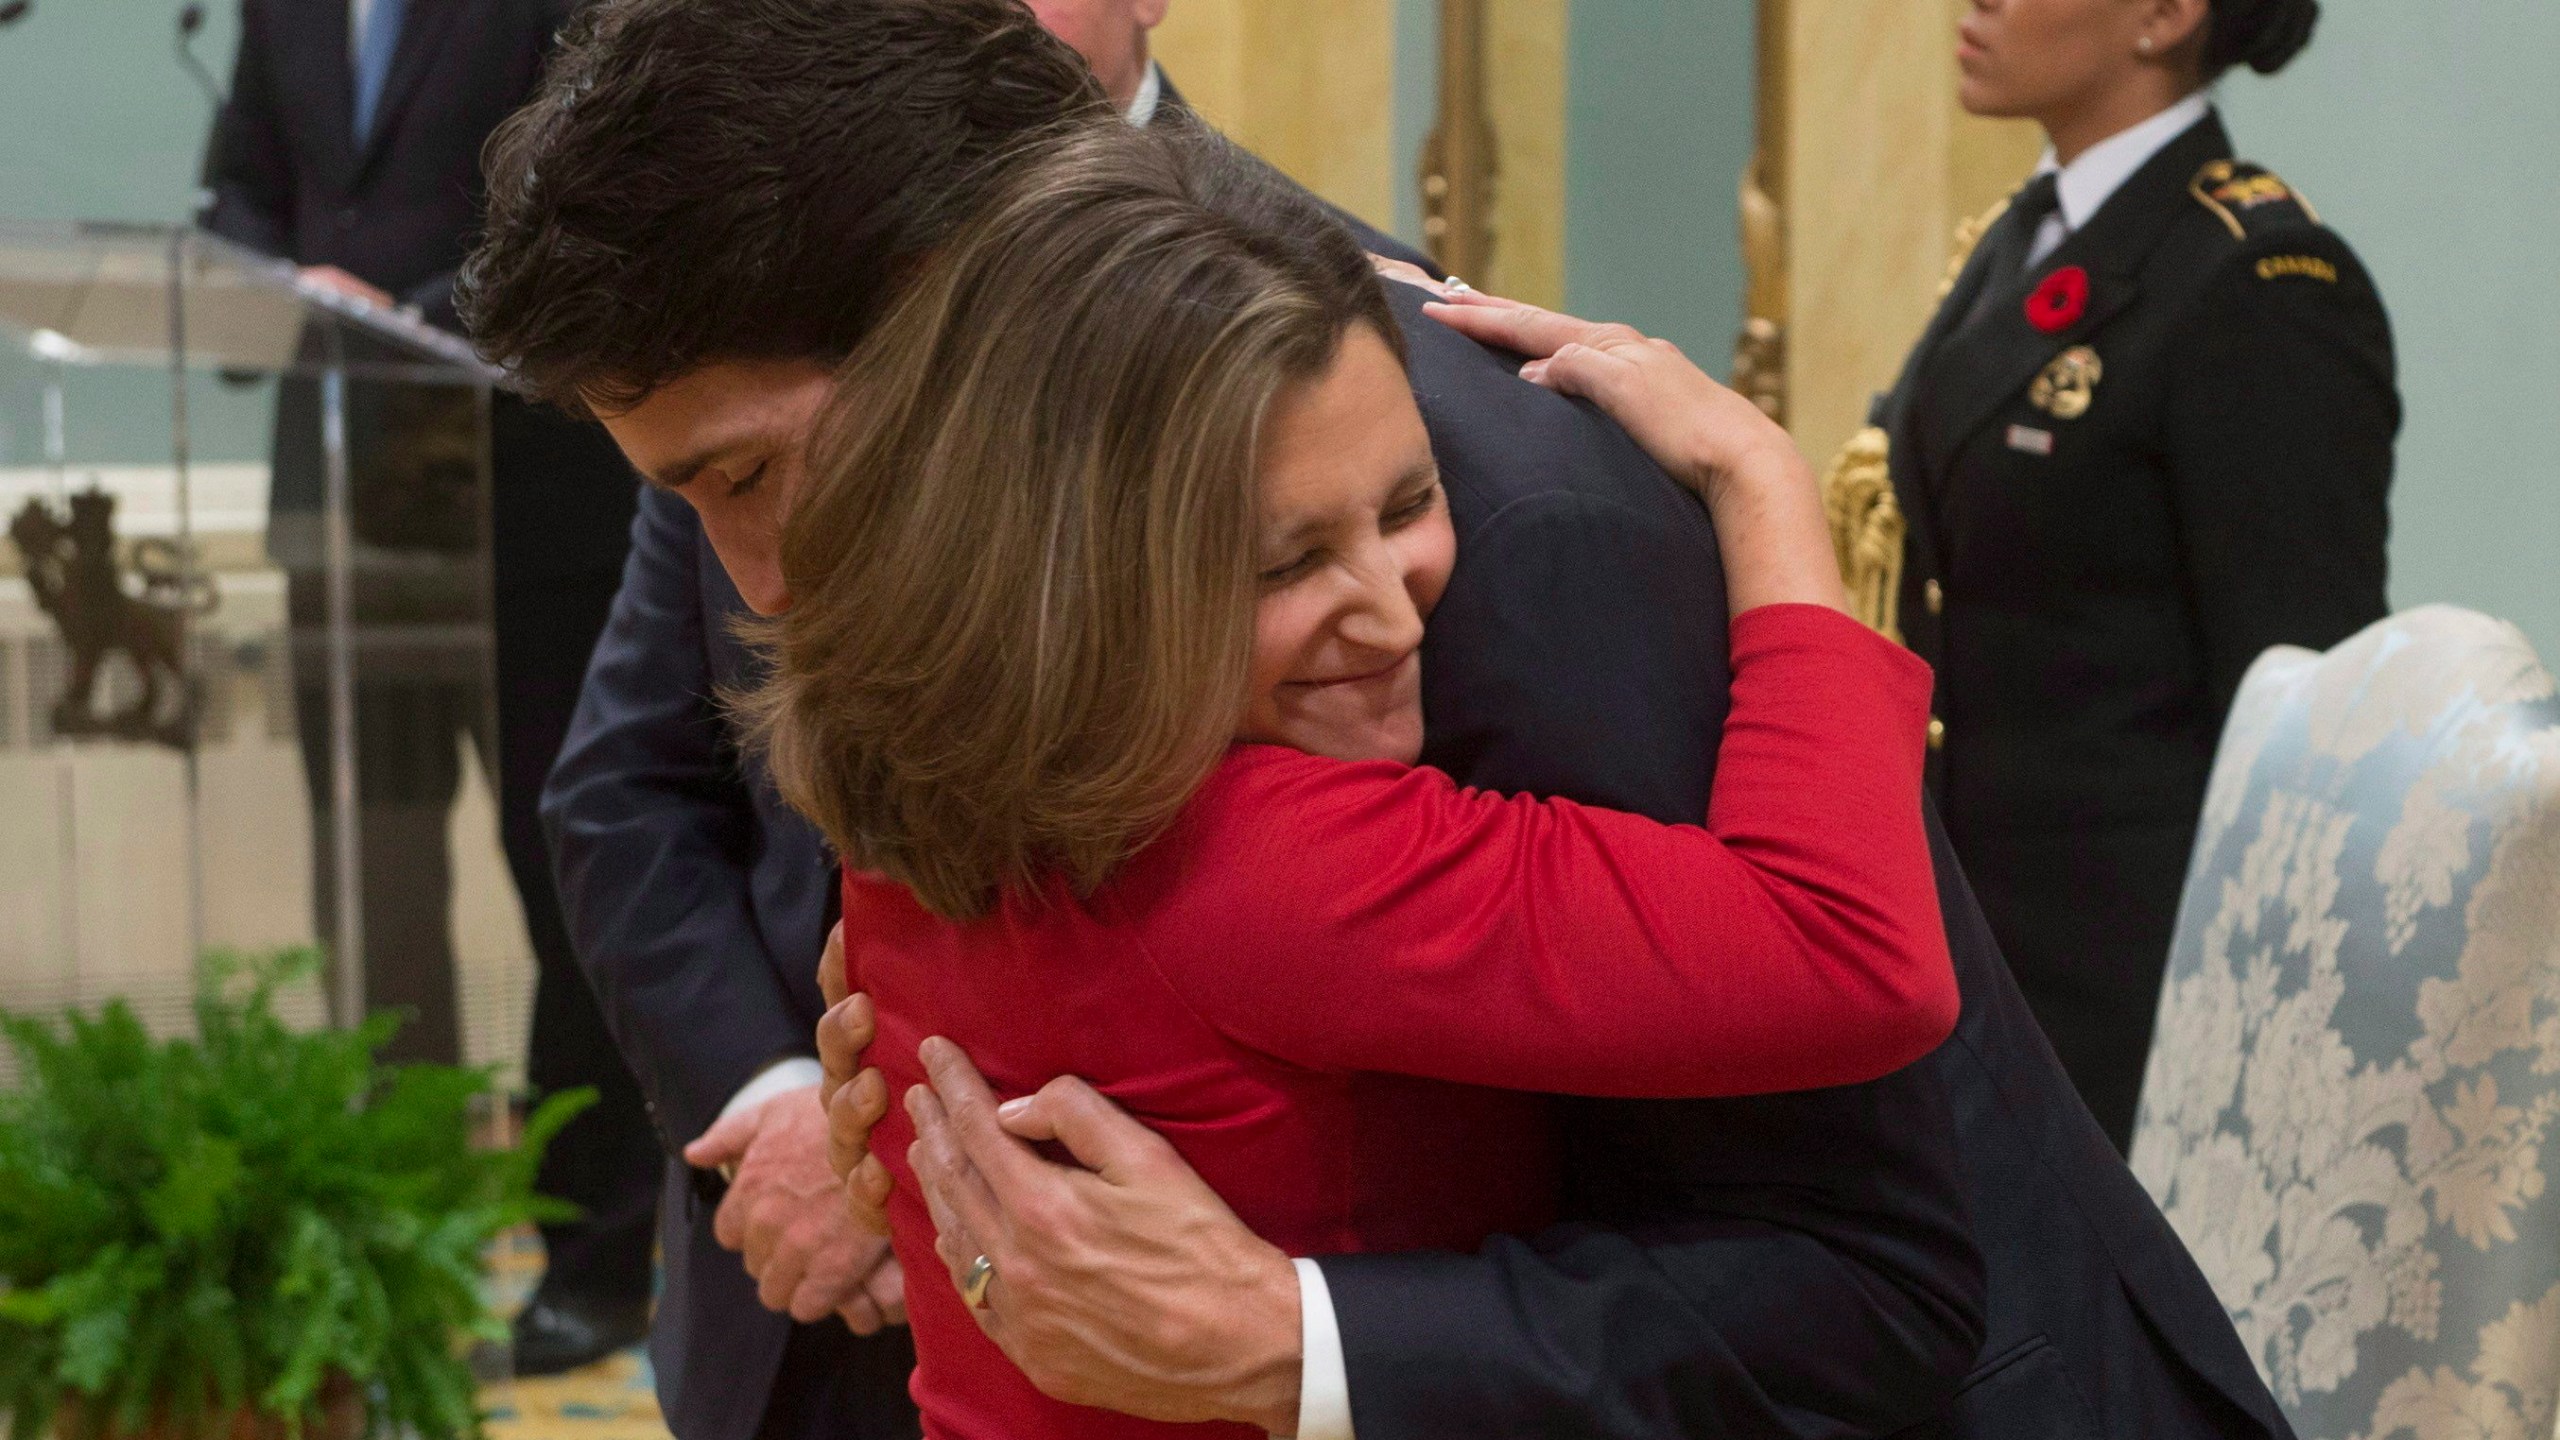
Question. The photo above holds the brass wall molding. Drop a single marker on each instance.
(1760, 351)
(1458, 164)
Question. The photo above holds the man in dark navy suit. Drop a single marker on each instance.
(698, 903)
(1790, 1265)
(350, 144)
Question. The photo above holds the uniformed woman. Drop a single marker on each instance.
(2147, 435)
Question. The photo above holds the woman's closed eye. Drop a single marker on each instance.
(1293, 568)
(746, 484)
(1417, 507)
(1414, 508)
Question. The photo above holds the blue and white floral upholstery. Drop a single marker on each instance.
(2350, 1102)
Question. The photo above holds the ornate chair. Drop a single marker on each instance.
(2349, 1108)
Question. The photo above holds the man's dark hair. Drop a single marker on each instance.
(702, 180)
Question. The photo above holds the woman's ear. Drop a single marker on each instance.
(2175, 29)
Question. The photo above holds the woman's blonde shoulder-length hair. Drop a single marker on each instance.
(1023, 554)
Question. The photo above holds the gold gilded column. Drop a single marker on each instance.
(1880, 167)
(1863, 170)
(1524, 60)
(1760, 352)
(1458, 163)
(1308, 85)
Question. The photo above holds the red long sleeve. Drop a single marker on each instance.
(1382, 919)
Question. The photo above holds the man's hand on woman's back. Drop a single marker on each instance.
(855, 1097)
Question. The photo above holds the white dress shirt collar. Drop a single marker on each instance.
(2103, 168)
(1142, 106)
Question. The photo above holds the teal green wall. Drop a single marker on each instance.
(1658, 113)
(1417, 93)
(1658, 121)
(2429, 135)
(97, 122)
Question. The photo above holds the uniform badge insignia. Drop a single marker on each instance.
(2031, 440)
(2309, 267)
(2067, 385)
(2242, 195)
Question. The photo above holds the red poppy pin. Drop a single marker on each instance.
(2058, 303)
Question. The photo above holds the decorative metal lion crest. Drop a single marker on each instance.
(73, 570)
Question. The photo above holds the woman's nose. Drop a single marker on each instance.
(1386, 618)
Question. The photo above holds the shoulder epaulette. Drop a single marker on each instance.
(2248, 198)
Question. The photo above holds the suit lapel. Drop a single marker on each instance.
(422, 32)
(1902, 452)
(1984, 364)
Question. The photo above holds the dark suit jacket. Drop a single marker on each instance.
(2091, 582)
(698, 905)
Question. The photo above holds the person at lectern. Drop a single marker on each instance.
(350, 144)
(2148, 435)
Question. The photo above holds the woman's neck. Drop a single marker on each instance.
(2140, 96)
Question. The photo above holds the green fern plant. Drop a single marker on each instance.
(196, 1230)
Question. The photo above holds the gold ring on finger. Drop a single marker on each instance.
(975, 1280)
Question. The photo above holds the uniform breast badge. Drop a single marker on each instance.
(2067, 385)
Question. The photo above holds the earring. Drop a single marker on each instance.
(2143, 44)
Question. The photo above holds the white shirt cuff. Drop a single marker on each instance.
(1324, 1380)
(772, 1080)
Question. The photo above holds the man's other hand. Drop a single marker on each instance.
(855, 1098)
(781, 1214)
(1126, 1283)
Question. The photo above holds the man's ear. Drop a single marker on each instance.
(1148, 13)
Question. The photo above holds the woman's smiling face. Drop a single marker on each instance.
(1355, 550)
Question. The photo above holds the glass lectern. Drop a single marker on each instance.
(244, 654)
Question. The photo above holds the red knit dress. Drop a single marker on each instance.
(1332, 985)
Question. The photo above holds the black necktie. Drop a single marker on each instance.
(2013, 237)
(2035, 200)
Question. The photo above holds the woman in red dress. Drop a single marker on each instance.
(1112, 565)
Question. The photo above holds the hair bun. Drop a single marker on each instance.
(2283, 32)
(2261, 34)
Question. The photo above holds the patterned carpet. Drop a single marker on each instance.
(613, 1399)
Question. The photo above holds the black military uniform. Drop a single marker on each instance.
(2126, 472)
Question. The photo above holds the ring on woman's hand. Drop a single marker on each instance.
(975, 1280)
(1456, 286)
